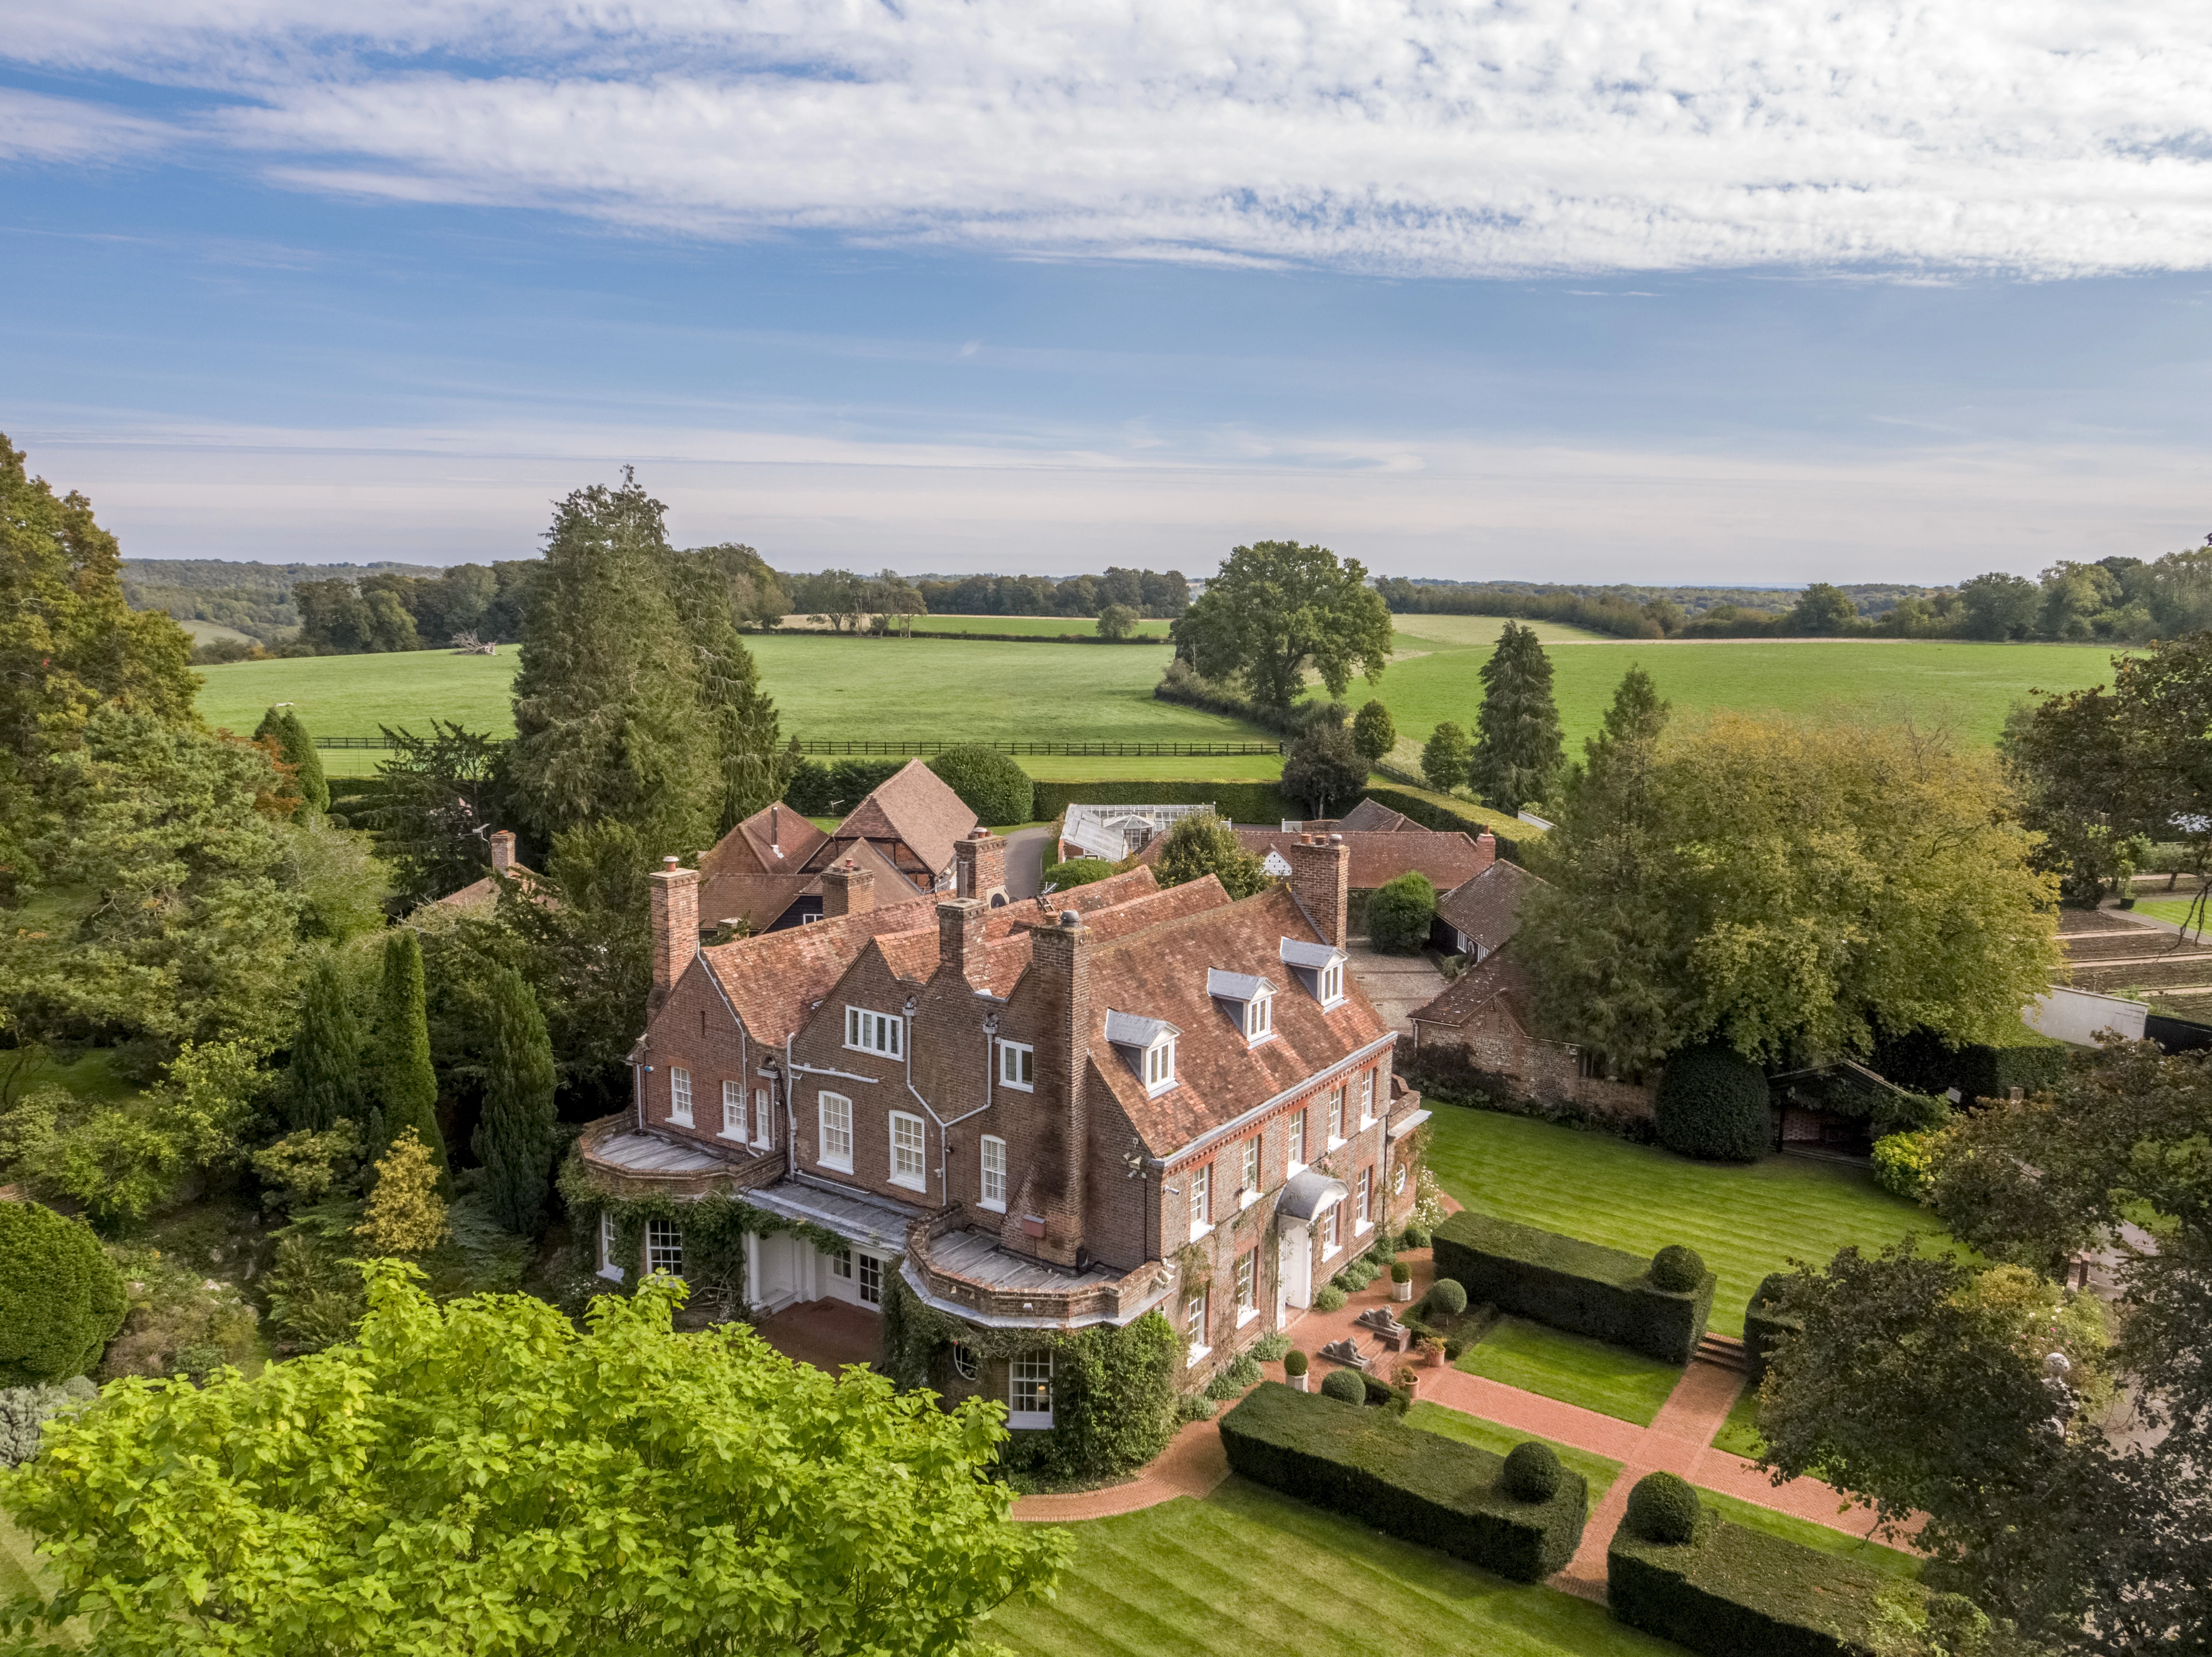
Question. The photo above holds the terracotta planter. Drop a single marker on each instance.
(1435, 1359)
(1298, 1382)
(1401, 1291)
(1410, 1386)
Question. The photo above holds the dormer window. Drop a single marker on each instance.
(1148, 1045)
(1249, 1000)
(1319, 967)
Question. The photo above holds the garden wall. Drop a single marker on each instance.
(1734, 1590)
(1570, 1284)
(1422, 1488)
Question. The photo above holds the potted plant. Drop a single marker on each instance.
(1432, 1349)
(1294, 1369)
(1401, 1280)
(1408, 1380)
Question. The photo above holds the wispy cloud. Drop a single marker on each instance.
(2043, 139)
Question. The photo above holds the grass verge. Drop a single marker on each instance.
(1249, 1570)
(1745, 1221)
(1857, 1549)
(1599, 1470)
(1739, 1434)
(1573, 1369)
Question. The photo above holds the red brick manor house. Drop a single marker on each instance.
(1048, 1115)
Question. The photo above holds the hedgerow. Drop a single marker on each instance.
(1570, 1284)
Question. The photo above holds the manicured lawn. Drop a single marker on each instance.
(2175, 910)
(1739, 1434)
(1745, 1221)
(1599, 1470)
(1969, 685)
(1873, 1555)
(1610, 1380)
(1250, 1572)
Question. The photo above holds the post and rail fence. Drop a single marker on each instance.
(857, 747)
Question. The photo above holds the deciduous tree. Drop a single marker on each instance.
(296, 749)
(654, 1493)
(1277, 608)
(1374, 733)
(1516, 747)
(1324, 767)
(1444, 758)
(1203, 844)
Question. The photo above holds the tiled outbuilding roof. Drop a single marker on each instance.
(1487, 909)
(1368, 818)
(1448, 859)
(773, 840)
(912, 805)
(1499, 978)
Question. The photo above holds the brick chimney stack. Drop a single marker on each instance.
(502, 851)
(960, 939)
(675, 927)
(1321, 879)
(1486, 850)
(848, 889)
(981, 866)
(1060, 964)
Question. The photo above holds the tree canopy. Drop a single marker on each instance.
(1203, 844)
(1517, 731)
(484, 1477)
(1793, 889)
(1277, 608)
(1324, 767)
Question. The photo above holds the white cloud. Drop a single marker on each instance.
(67, 131)
(2046, 137)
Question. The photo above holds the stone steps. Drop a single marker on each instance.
(1725, 1351)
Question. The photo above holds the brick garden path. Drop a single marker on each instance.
(1679, 1441)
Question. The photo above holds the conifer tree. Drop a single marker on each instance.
(297, 749)
(325, 1082)
(406, 1086)
(714, 585)
(1517, 749)
(514, 1141)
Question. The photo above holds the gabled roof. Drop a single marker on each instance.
(1448, 859)
(773, 840)
(1498, 980)
(1236, 986)
(485, 892)
(1368, 818)
(760, 901)
(912, 805)
(1487, 908)
(1129, 1030)
(1160, 973)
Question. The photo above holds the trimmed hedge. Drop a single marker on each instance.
(1763, 1327)
(1417, 1486)
(1731, 1590)
(1713, 1104)
(1241, 800)
(1920, 1061)
(1572, 1285)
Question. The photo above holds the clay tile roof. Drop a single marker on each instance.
(1487, 909)
(759, 900)
(486, 891)
(891, 885)
(912, 805)
(751, 847)
(1497, 978)
(1448, 860)
(1159, 972)
(1368, 818)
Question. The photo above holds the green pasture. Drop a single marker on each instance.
(1966, 686)
(1250, 1570)
(1745, 1221)
(1009, 626)
(1572, 1368)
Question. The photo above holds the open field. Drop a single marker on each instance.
(1249, 1570)
(1572, 1368)
(1011, 626)
(1968, 686)
(1481, 632)
(1745, 1221)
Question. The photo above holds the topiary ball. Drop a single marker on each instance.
(61, 1301)
(1401, 1272)
(1712, 1103)
(1677, 1270)
(1294, 1362)
(1445, 1295)
(1345, 1386)
(1663, 1508)
(1416, 1237)
(1531, 1472)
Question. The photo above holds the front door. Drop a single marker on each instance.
(1293, 1269)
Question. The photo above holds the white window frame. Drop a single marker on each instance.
(867, 1031)
(1248, 1175)
(1197, 1319)
(1366, 1201)
(1398, 1181)
(1297, 1140)
(1332, 984)
(870, 1286)
(909, 1151)
(1367, 1098)
(1159, 1066)
(1248, 1287)
(610, 1268)
(841, 1264)
(762, 1136)
(679, 1096)
(1332, 1232)
(964, 1363)
(1018, 1066)
(1259, 1019)
(832, 1136)
(1028, 1382)
(1335, 1117)
(991, 1157)
(1201, 1200)
(660, 1251)
(734, 1110)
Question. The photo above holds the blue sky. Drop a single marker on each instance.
(1556, 291)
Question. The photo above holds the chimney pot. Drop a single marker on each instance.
(848, 889)
(1068, 917)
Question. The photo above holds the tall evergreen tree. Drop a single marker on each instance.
(406, 1085)
(514, 1140)
(715, 587)
(325, 1082)
(297, 749)
(609, 696)
(1605, 951)
(1516, 750)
